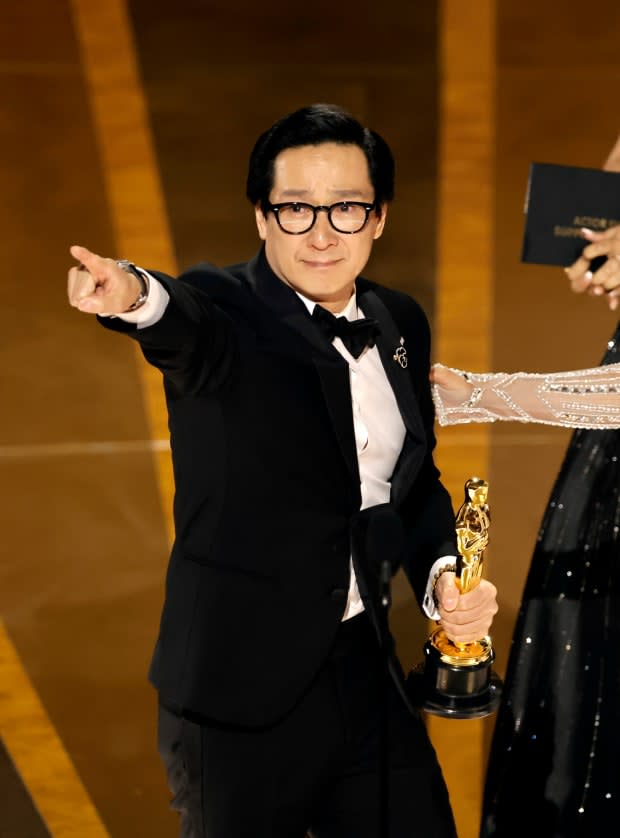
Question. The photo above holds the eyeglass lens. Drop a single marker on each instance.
(344, 217)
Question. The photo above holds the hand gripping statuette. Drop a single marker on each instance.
(456, 678)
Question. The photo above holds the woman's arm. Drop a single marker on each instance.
(575, 399)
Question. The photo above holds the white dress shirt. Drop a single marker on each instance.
(378, 425)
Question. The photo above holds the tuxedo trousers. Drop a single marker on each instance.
(318, 771)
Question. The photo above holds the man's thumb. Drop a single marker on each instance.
(449, 595)
(92, 304)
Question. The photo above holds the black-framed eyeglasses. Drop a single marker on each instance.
(345, 216)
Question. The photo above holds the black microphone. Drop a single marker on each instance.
(379, 539)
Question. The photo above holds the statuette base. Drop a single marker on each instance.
(462, 687)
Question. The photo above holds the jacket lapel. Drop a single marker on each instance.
(388, 342)
(332, 369)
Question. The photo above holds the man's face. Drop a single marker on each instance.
(321, 264)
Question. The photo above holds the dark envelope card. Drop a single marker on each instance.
(559, 201)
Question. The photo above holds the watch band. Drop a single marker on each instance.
(130, 268)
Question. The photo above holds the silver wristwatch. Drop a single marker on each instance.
(141, 276)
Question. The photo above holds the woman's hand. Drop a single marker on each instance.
(454, 390)
(606, 280)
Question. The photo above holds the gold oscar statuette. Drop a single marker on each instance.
(456, 679)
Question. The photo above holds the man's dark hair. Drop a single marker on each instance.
(315, 125)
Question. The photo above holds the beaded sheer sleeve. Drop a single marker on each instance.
(575, 399)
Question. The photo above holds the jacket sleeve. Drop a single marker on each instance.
(194, 342)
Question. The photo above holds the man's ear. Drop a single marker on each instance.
(261, 222)
(381, 221)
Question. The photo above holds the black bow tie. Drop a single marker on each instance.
(355, 334)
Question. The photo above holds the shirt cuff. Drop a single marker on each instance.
(428, 603)
(153, 309)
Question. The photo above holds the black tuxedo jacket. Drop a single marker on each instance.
(267, 485)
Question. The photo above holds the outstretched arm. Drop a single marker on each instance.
(576, 399)
(179, 329)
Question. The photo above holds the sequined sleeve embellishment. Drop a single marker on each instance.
(587, 398)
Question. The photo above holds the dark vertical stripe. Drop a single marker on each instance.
(18, 815)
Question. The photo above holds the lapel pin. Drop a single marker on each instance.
(400, 356)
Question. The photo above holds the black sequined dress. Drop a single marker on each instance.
(554, 767)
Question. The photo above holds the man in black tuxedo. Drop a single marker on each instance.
(302, 448)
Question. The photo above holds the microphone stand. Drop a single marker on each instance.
(378, 540)
(385, 601)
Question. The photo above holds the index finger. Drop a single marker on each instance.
(93, 263)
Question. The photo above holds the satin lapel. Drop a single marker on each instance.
(332, 369)
(334, 375)
(285, 304)
(387, 344)
(400, 380)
